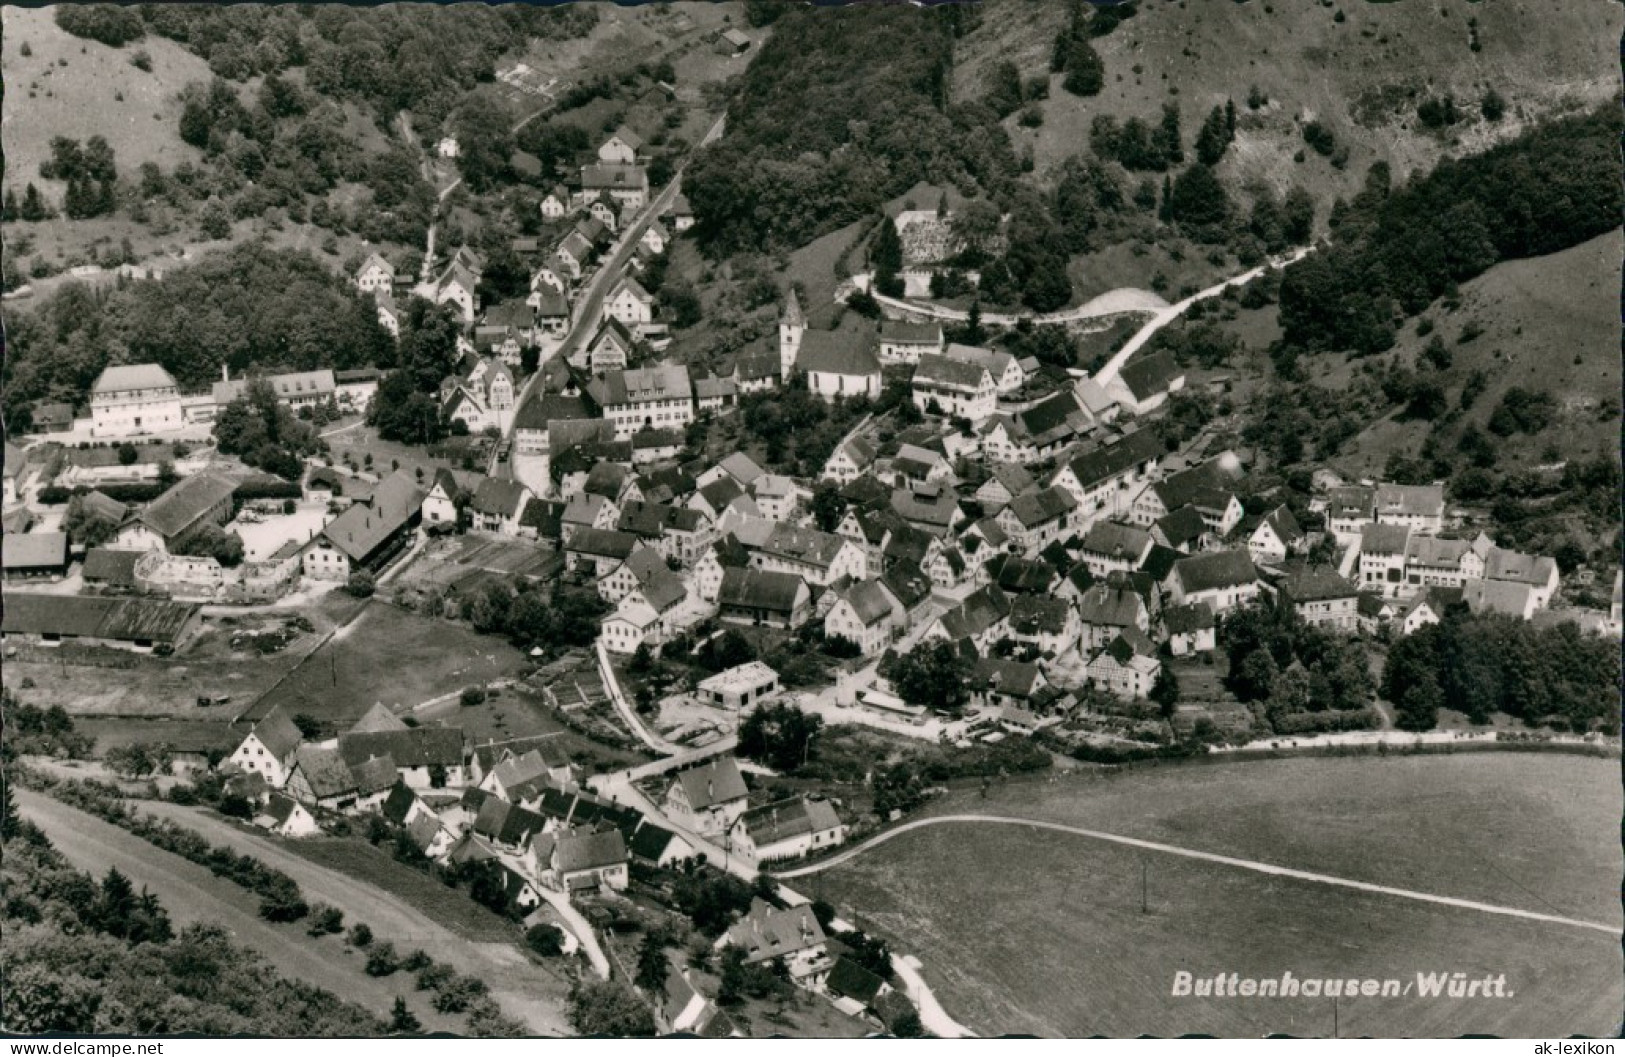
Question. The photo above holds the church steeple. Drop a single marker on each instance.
(792, 324)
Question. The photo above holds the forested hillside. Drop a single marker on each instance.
(249, 308)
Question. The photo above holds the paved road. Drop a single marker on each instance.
(589, 302)
(515, 982)
(192, 894)
(1191, 853)
(1111, 303)
(1173, 312)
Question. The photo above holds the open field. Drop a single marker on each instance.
(1006, 951)
(523, 988)
(192, 894)
(391, 656)
(68, 87)
(1362, 75)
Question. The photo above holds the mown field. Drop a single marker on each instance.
(1061, 945)
(391, 656)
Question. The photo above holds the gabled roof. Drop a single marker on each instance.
(324, 771)
(666, 381)
(1098, 466)
(848, 979)
(398, 804)
(1110, 605)
(1145, 376)
(1410, 499)
(1383, 539)
(633, 287)
(1183, 526)
(943, 372)
(626, 136)
(1038, 508)
(870, 601)
(500, 497)
(606, 177)
(1351, 502)
(933, 505)
(278, 734)
(588, 850)
(602, 543)
(111, 567)
(1315, 583)
(364, 526)
(127, 377)
(805, 545)
(1038, 615)
(412, 747)
(741, 468)
(1199, 486)
(1130, 644)
(1020, 575)
(377, 718)
(373, 775)
(981, 610)
(1284, 525)
(1508, 565)
(34, 550)
(757, 589)
(178, 509)
(786, 819)
(1006, 677)
(904, 332)
(767, 933)
(844, 352)
(1111, 540)
(907, 583)
(607, 479)
(1188, 619)
(1220, 569)
(717, 781)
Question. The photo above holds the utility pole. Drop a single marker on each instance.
(1145, 868)
(1334, 1017)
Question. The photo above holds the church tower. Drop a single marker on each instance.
(791, 326)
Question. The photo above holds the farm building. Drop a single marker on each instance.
(123, 623)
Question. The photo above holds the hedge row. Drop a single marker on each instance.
(280, 896)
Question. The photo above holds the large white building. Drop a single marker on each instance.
(134, 399)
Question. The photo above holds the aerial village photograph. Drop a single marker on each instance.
(759, 520)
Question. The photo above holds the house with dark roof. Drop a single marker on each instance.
(1110, 546)
(838, 363)
(931, 505)
(1105, 609)
(820, 558)
(1190, 628)
(1046, 623)
(997, 683)
(707, 798)
(139, 625)
(1005, 481)
(1275, 537)
(787, 829)
(1105, 479)
(1208, 488)
(942, 385)
(1143, 384)
(269, 748)
(1037, 432)
(1222, 579)
(425, 757)
(586, 860)
(180, 515)
(1320, 596)
(498, 504)
(982, 619)
(850, 459)
(762, 597)
(1419, 507)
(791, 935)
(904, 342)
(1184, 531)
(129, 400)
(865, 613)
(369, 534)
(110, 570)
(286, 817)
(1033, 520)
(1127, 667)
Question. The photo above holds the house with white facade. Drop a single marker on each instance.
(133, 400)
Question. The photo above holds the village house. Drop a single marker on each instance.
(1503, 597)
(572, 256)
(1348, 510)
(1322, 598)
(1005, 370)
(764, 598)
(424, 757)
(1105, 481)
(982, 619)
(851, 458)
(953, 387)
(1419, 508)
(602, 209)
(376, 276)
(660, 396)
(866, 614)
(1184, 530)
(368, 534)
(721, 497)
(583, 859)
(1382, 559)
(1539, 573)
(791, 935)
(1036, 519)
(134, 399)
(1276, 537)
(1222, 579)
(1143, 384)
(904, 342)
(998, 683)
(1050, 625)
(627, 184)
(286, 817)
(1190, 628)
(269, 748)
(1035, 433)
(497, 506)
(1109, 546)
(737, 467)
(630, 304)
(139, 625)
(1204, 487)
(621, 148)
(707, 798)
(1005, 481)
(556, 203)
(820, 558)
(173, 520)
(1432, 561)
(1127, 667)
(786, 829)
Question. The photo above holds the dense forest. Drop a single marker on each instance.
(252, 307)
(417, 57)
(1394, 250)
(841, 110)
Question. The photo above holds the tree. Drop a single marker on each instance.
(309, 726)
(1085, 72)
(361, 584)
(1197, 197)
(886, 255)
(932, 676)
(33, 208)
(545, 940)
(1215, 135)
(1165, 691)
(828, 506)
(214, 222)
(652, 964)
(779, 735)
(608, 1008)
(1492, 106)
(402, 1021)
(483, 128)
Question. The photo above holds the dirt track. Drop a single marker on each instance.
(515, 982)
(192, 894)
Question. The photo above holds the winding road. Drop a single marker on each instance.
(1192, 853)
